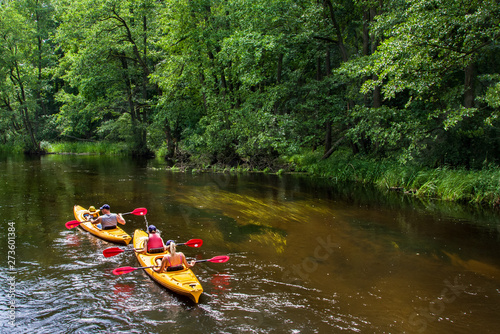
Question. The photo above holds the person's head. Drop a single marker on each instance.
(105, 208)
(152, 229)
(171, 246)
(92, 209)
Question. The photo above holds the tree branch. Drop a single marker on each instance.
(329, 40)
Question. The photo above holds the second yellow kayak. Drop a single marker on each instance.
(183, 282)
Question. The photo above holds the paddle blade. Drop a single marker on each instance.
(195, 243)
(123, 270)
(72, 224)
(140, 211)
(112, 251)
(219, 259)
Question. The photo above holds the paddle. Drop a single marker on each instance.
(126, 270)
(216, 259)
(138, 212)
(72, 223)
(195, 243)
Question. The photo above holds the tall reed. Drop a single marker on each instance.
(87, 147)
(458, 185)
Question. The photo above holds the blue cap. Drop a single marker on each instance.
(169, 242)
(105, 206)
(152, 228)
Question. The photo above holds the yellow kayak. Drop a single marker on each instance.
(183, 282)
(116, 235)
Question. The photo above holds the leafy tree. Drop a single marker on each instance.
(251, 67)
(108, 57)
(245, 81)
(26, 59)
(427, 67)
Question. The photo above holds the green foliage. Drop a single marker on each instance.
(26, 62)
(101, 147)
(400, 88)
(108, 56)
(426, 50)
(10, 149)
(116, 130)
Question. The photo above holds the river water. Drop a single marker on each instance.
(306, 255)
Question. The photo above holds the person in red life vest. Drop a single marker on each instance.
(154, 243)
(108, 220)
(173, 261)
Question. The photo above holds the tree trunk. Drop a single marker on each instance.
(128, 85)
(202, 80)
(170, 143)
(38, 92)
(216, 80)
(21, 97)
(223, 83)
(328, 136)
(366, 48)
(140, 57)
(318, 69)
(377, 97)
(328, 123)
(328, 64)
(332, 149)
(469, 86)
(338, 31)
(280, 68)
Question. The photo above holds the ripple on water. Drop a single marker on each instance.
(262, 305)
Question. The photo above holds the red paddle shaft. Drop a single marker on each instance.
(126, 270)
(195, 243)
(137, 212)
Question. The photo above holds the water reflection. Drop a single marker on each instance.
(221, 282)
(123, 292)
(478, 267)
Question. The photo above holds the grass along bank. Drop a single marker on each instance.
(86, 148)
(458, 185)
(72, 148)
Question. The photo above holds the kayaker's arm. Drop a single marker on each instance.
(120, 219)
(188, 265)
(96, 220)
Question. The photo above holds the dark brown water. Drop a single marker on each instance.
(307, 255)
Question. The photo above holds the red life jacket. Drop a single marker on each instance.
(154, 241)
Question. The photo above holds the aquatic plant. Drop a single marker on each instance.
(446, 183)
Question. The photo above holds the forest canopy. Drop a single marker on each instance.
(247, 81)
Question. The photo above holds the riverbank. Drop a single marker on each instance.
(89, 147)
(480, 187)
(477, 187)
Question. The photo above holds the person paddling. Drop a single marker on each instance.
(107, 220)
(173, 261)
(153, 243)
